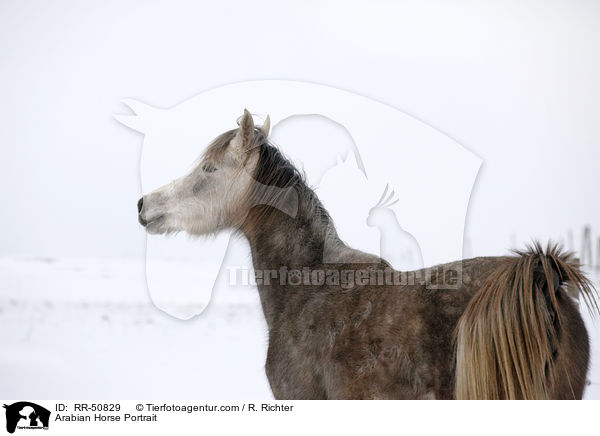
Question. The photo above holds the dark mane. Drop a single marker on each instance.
(273, 169)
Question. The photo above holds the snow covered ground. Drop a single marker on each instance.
(88, 329)
(75, 329)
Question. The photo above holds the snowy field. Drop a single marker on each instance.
(74, 329)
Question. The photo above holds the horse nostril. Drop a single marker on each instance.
(140, 204)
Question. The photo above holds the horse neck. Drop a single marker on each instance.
(280, 241)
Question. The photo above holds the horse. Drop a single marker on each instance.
(351, 327)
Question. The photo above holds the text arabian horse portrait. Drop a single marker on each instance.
(507, 330)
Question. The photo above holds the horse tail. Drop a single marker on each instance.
(508, 338)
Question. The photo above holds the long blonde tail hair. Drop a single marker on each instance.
(508, 336)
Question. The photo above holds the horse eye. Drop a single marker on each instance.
(209, 168)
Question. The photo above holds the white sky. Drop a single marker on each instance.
(515, 82)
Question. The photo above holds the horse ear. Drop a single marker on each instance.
(246, 131)
(266, 127)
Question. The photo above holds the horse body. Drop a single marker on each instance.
(344, 325)
(386, 343)
(364, 341)
(381, 342)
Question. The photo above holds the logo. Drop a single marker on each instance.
(26, 415)
(378, 170)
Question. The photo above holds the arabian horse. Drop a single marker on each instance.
(354, 328)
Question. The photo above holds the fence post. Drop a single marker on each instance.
(598, 255)
(586, 247)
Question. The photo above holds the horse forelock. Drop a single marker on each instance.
(217, 148)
